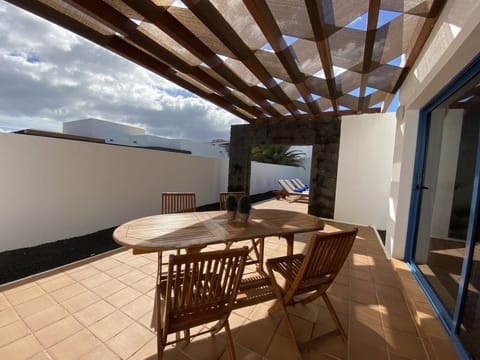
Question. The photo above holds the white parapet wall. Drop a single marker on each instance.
(53, 189)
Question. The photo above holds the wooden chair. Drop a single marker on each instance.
(311, 274)
(197, 289)
(257, 245)
(178, 202)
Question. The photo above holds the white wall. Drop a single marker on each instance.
(365, 168)
(53, 189)
(452, 44)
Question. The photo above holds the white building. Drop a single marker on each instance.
(121, 134)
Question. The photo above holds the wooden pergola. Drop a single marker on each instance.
(266, 61)
(262, 60)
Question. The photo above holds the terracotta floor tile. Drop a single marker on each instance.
(68, 292)
(256, 336)
(398, 322)
(94, 312)
(139, 261)
(59, 330)
(12, 332)
(100, 351)
(58, 282)
(327, 348)
(123, 297)
(110, 325)
(108, 288)
(74, 346)
(34, 306)
(302, 328)
(23, 348)
(442, 349)
(8, 316)
(45, 317)
(119, 270)
(3, 302)
(105, 264)
(205, 347)
(130, 340)
(144, 285)
(281, 347)
(24, 294)
(405, 344)
(150, 268)
(84, 273)
(132, 277)
(95, 280)
(42, 355)
(80, 301)
(138, 307)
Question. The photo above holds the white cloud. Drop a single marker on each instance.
(50, 75)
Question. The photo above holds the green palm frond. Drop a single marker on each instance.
(278, 154)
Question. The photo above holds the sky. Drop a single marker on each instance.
(49, 75)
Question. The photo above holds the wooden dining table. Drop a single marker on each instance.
(196, 230)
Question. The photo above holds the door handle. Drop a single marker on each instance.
(421, 187)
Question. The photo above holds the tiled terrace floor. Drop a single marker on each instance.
(101, 309)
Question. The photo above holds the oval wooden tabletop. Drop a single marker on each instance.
(184, 230)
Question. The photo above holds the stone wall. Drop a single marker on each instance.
(323, 134)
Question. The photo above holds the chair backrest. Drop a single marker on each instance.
(285, 185)
(202, 287)
(178, 202)
(291, 184)
(325, 256)
(296, 182)
(300, 183)
(224, 195)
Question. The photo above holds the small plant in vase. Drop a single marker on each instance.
(244, 208)
(231, 206)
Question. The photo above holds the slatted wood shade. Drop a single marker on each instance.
(263, 60)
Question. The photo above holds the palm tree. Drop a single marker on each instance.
(277, 154)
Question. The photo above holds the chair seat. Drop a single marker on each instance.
(289, 268)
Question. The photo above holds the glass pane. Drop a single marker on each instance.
(447, 192)
(470, 326)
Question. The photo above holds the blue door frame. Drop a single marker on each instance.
(451, 323)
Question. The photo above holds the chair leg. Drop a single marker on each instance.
(186, 333)
(280, 304)
(334, 316)
(230, 348)
(160, 346)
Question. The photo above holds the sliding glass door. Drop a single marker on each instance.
(445, 248)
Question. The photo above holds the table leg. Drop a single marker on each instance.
(289, 238)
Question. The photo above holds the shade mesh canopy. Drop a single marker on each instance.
(262, 60)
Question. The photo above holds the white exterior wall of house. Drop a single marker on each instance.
(365, 169)
(452, 44)
(121, 134)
